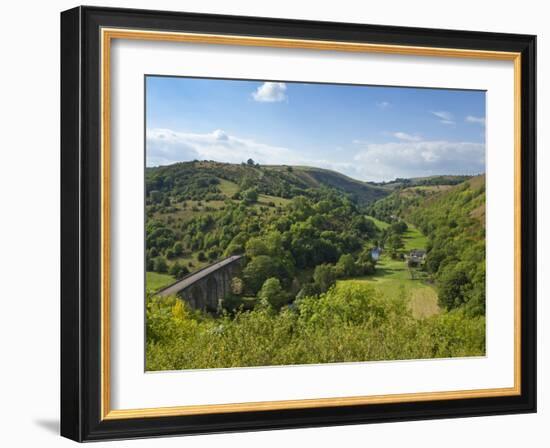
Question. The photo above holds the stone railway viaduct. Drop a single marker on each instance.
(206, 288)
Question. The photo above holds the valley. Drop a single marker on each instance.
(407, 256)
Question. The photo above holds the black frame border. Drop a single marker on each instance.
(81, 223)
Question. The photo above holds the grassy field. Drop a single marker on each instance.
(413, 239)
(393, 279)
(380, 224)
(191, 261)
(156, 281)
(264, 199)
(228, 188)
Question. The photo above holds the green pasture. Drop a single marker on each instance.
(156, 281)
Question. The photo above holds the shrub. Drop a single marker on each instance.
(272, 293)
(349, 323)
(324, 277)
(346, 266)
(160, 265)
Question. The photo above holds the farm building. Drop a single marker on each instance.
(416, 257)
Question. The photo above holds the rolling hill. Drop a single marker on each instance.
(195, 180)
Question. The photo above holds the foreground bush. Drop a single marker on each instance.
(348, 323)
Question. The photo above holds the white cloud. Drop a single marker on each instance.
(384, 161)
(477, 120)
(165, 146)
(369, 161)
(270, 92)
(406, 137)
(383, 104)
(220, 135)
(444, 117)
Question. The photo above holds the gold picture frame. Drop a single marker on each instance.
(106, 32)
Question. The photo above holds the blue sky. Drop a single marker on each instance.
(367, 132)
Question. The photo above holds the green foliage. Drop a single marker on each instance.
(272, 294)
(156, 281)
(160, 265)
(399, 227)
(259, 269)
(454, 224)
(300, 230)
(394, 243)
(197, 180)
(324, 277)
(348, 323)
(178, 271)
(249, 196)
(178, 249)
(346, 266)
(454, 287)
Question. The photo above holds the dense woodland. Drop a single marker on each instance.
(308, 291)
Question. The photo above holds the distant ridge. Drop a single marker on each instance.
(275, 180)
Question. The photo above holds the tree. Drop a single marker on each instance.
(308, 290)
(346, 266)
(324, 277)
(256, 246)
(156, 196)
(250, 162)
(395, 242)
(249, 196)
(160, 265)
(170, 254)
(364, 226)
(178, 271)
(272, 293)
(454, 287)
(399, 227)
(178, 249)
(234, 249)
(258, 270)
(212, 254)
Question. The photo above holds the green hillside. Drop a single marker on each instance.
(205, 180)
(426, 181)
(454, 222)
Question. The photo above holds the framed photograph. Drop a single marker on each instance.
(273, 223)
